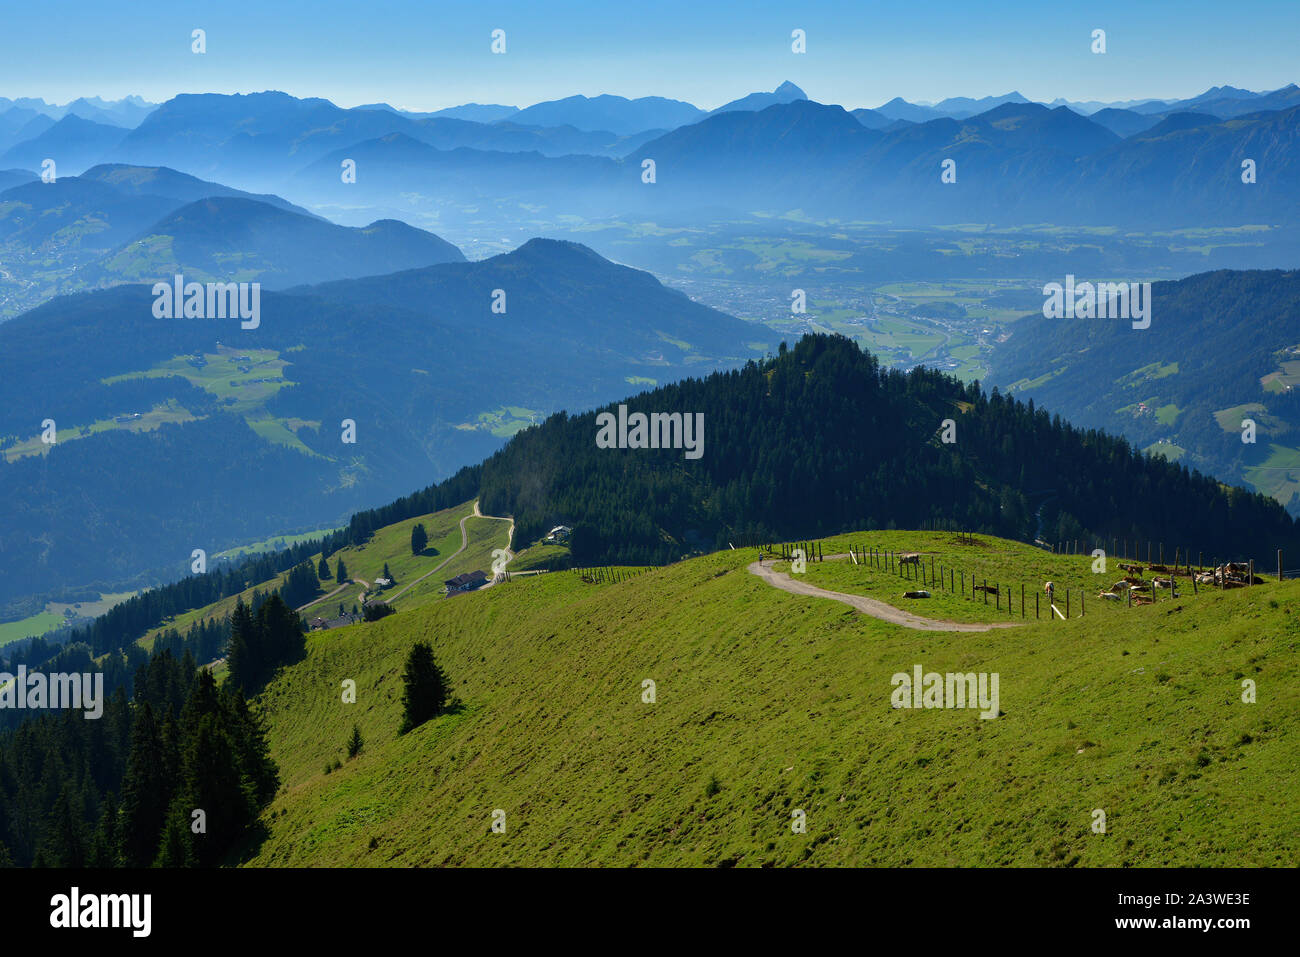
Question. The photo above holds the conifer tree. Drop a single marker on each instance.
(424, 688)
(143, 792)
(242, 654)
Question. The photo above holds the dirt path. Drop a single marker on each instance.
(464, 543)
(352, 581)
(868, 606)
(317, 601)
(510, 537)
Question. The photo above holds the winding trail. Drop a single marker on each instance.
(510, 537)
(868, 606)
(464, 543)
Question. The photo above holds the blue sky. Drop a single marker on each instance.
(427, 55)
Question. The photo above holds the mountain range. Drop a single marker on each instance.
(1166, 163)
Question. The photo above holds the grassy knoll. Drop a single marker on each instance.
(769, 702)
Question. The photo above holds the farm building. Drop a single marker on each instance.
(466, 582)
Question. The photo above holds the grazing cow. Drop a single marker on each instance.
(1162, 582)
(911, 558)
(1049, 589)
(1163, 569)
(1108, 595)
(987, 589)
(916, 594)
(1131, 569)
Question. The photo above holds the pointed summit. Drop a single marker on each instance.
(787, 92)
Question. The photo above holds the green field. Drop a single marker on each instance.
(169, 412)
(29, 627)
(768, 703)
(1278, 475)
(223, 375)
(272, 544)
(503, 422)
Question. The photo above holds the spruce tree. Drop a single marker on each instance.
(341, 573)
(242, 652)
(354, 743)
(64, 842)
(419, 539)
(143, 792)
(324, 570)
(424, 688)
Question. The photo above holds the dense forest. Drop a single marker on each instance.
(174, 776)
(821, 439)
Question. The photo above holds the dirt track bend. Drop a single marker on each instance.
(868, 606)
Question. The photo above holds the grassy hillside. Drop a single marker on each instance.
(391, 544)
(769, 702)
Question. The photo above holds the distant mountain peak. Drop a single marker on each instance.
(789, 89)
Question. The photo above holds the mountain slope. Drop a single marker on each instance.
(73, 143)
(1222, 347)
(161, 181)
(767, 704)
(225, 239)
(432, 377)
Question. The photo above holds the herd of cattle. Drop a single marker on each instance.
(1133, 587)
(1140, 591)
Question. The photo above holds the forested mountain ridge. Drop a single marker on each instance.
(821, 439)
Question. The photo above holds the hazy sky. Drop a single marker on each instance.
(427, 55)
